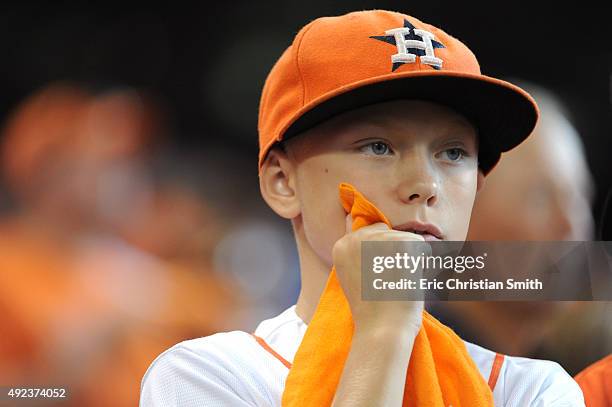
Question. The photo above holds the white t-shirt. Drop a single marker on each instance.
(237, 369)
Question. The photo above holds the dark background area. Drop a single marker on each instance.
(206, 64)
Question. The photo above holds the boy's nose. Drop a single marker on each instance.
(419, 185)
(421, 192)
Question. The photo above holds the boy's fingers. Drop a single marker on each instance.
(366, 229)
(374, 226)
(378, 226)
(349, 223)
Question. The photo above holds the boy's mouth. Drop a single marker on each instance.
(429, 231)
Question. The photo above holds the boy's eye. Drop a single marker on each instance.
(454, 154)
(377, 148)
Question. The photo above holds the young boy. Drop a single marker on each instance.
(398, 109)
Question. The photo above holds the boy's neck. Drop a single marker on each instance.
(314, 273)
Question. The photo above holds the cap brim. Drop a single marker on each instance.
(503, 114)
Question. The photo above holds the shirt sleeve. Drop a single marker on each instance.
(538, 383)
(559, 390)
(182, 377)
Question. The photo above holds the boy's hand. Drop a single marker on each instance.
(388, 317)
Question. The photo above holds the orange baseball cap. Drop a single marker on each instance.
(337, 64)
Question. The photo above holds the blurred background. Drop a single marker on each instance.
(130, 214)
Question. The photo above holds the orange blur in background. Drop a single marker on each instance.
(100, 268)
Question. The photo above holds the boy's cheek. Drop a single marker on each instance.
(459, 223)
(323, 226)
(459, 195)
(335, 167)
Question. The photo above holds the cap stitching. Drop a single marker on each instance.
(297, 62)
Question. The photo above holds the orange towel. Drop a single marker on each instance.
(441, 372)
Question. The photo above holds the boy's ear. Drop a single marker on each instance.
(277, 184)
(480, 180)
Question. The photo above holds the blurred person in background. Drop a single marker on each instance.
(97, 270)
(551, 192)
(596, 380)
